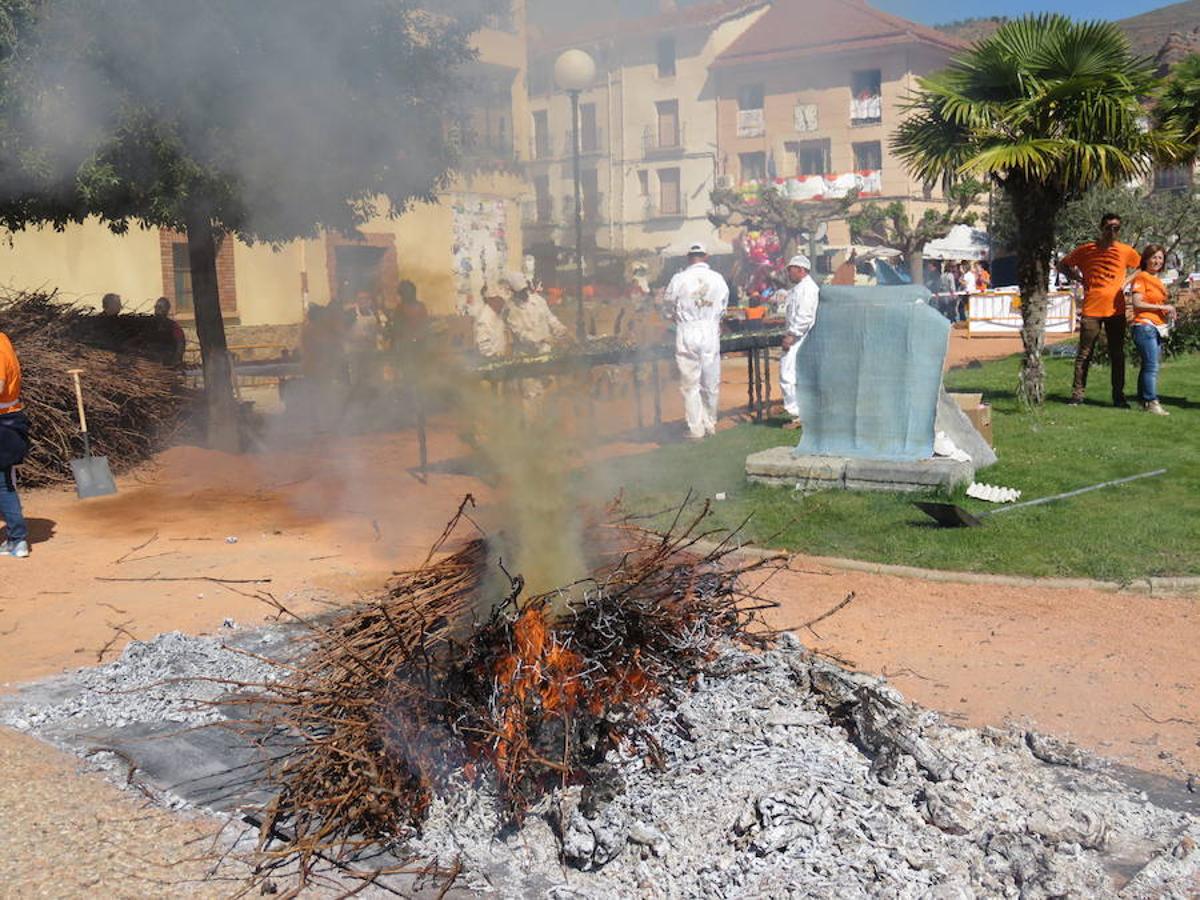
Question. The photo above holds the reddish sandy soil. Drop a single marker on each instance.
(1116, 672)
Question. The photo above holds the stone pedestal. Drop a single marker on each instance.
(780, 467)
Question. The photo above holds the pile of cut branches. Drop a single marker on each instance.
(133, 402)
(404, 693)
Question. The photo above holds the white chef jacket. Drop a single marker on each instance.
(491, 334)
(800, 310)
(533, 325)
(697, 294)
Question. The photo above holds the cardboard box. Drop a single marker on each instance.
(978, 412)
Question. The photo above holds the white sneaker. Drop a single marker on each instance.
(19, 549)
(1155, 408)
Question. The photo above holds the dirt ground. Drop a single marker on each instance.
(1115, 672)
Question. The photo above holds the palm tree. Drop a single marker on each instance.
(1045, 108)
(1180, 105)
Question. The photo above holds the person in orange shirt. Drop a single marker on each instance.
(1151, 317)
(14, 443)
(1102, 267)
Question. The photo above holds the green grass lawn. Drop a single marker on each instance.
(1150, 527)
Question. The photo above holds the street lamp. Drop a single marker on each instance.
(574, 71)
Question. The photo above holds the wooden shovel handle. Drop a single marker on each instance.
(74, 373)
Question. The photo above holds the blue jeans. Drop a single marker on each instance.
(1147, 340)
(10, 507)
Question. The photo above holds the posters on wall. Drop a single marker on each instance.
(480, 245)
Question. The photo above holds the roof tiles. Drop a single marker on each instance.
(795, 28)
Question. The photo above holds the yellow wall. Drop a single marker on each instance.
(85, 262)
(269, 284)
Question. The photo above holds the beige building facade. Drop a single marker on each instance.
(647, 134)
(447, 249)
(809, 97)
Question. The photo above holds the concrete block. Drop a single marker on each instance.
(780, 467)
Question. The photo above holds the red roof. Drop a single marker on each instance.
(703, 15)
(793, 28)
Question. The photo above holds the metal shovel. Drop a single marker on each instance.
(950, 516)
(93, 478)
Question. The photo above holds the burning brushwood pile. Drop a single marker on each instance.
(454, 674)
(633, 735)
(133, 401)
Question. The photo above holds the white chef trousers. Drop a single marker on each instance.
(787, 380)
(698, 355)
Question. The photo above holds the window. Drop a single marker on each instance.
(589, 184)
(668, 123)
(753, 166)
(809, 157)
(670, 197)
(541, 134)
(644, 182)
(868, 156)
(1174, 179)
(182, 266)
(866, 97)
(589, 137)
(750, 96)
(666, 57)
(545, 203)
(750, 119)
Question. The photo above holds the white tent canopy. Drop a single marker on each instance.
(963, 242)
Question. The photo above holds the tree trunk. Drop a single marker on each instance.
(223, 433)
(1036, 209)
(916, 267)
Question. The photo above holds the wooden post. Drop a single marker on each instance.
(637, 393)
(657, 381)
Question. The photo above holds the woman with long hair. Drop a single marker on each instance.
(1152, 315)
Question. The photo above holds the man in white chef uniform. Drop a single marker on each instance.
(800, 312)
(696, 299)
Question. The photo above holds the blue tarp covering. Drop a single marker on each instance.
(869, 374)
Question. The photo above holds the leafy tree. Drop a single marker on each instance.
(771, 209)
(266, 120)
(890, 225)
(1046, 108)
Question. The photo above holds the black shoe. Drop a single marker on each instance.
(1075, 401)
(1121, 404)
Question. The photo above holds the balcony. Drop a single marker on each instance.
(866, 110)
(662, 143)
(834, 186)
(591, 143)
(657, 211)
(480, 150)
(751, 123)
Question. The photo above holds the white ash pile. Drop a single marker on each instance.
(172, 678)
(785, 776)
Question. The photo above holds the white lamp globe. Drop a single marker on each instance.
(574, 70)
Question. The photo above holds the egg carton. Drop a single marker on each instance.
(993, 493)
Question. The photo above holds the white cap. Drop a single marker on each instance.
(697, 249)
(800, 260)
(516, 281)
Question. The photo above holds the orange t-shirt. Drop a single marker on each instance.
(1153, 291)
(10, 374)
(1103, 275)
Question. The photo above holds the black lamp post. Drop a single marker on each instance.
(575, 71)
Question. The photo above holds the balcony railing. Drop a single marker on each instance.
(657, 143)
(751, 123)
(866, 110)
(867, 182)
(473, 144)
